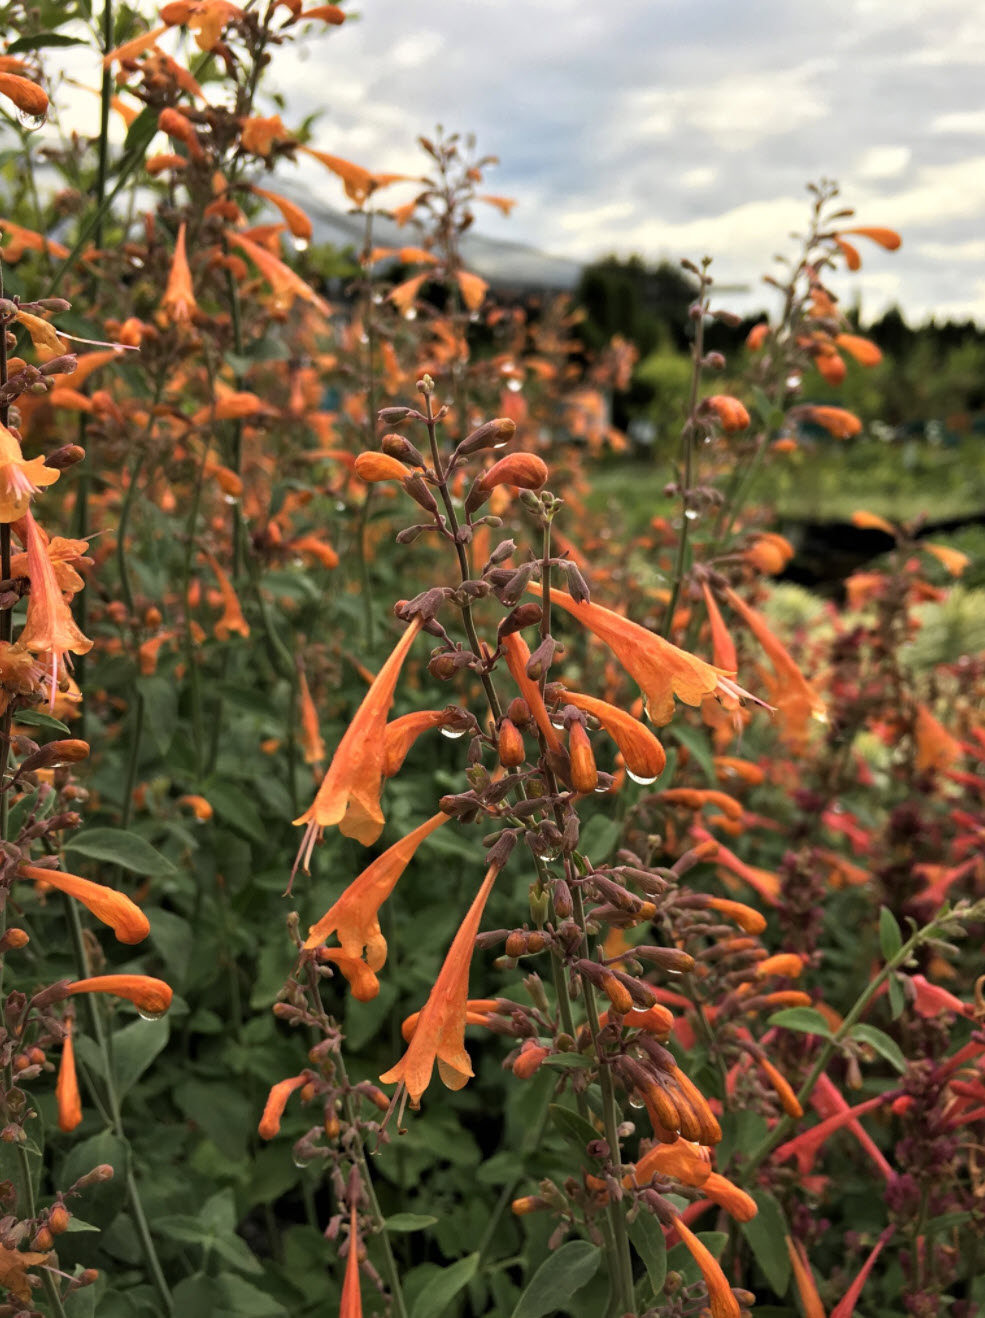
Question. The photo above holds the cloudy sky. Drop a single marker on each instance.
(677, 128)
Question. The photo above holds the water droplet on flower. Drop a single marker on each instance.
(410, 314)
(377, 299)
(691, 514)
(300, 1160)
(514, 386)
(453, 734)
(643, 782)
(601, 791)
(557, 722)
(136, 262)
(793, 381)
(635, 1101)
(229, 498)
(32, 122)
(301, 244)
(474, 317)
(364, 338)
(550, 854)
(146, 1015)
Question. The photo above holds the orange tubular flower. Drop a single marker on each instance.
(477, 1012)
(731, 414)
(349, 794)
(781, 1086)
(20, 480)
(685, 1162)
(835, 420)
(29, 98)
(355, 916)
(178, 303)
(752, 921)
(517, 657)
(311, 738)
(886, 238)
(720, 1190)
(50, 627)
(276, 1103)
(115, 909)
(804, 1279)
(285, 284)
(937, 749)
(792, 694)
(765, 882)
(401, 734)
(352, 1300)
(644, 756)
(151, 997)
(440, 1032)
(661, 669)
(722, 1302)
(67, 1085)
(373, 467)
(232, 619)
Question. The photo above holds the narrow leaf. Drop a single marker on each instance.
(559, 1277)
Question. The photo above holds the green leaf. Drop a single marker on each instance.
(559, 1277)
(882, 1043)
(600, 837)
(439, 1292)
(890, 938)
(134, 1048)
(409, 1222)
(33, 718)
(160, 697)
(897, 1000)
(573, 1126)
(697, 743)
(247, 1301)
(568, 1061)
(38, 40)
(765, 1234)
(647, 1237)
(117, 846)
(804, 1019)
(236, 809)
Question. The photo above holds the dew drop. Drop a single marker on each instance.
(514, 386)
(377, 299)
(643, 782)
(301, 244)
(549, 855)
(453, 734)
(32, 122)
(691, 514)
(793, 381)
(635, 1101)
(229, 498)
(410, 314)
(300, 1160)
(601, 791)
(364, 338)
(146, 1015)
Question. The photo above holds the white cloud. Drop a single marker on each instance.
(959, 121)
(880, 162)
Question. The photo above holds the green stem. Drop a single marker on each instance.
(463, 558)
(830, 1046)
(113, 1103)
(622, 1263)
(687, 442)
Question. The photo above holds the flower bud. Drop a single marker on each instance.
(391, 416)
(14, 939)
(584, 773)
(373, 467)
(524, 615)
(58, 1219)
(509, 746)
(419, 492)
(492, 434)
(395, 446)
(516, 943)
